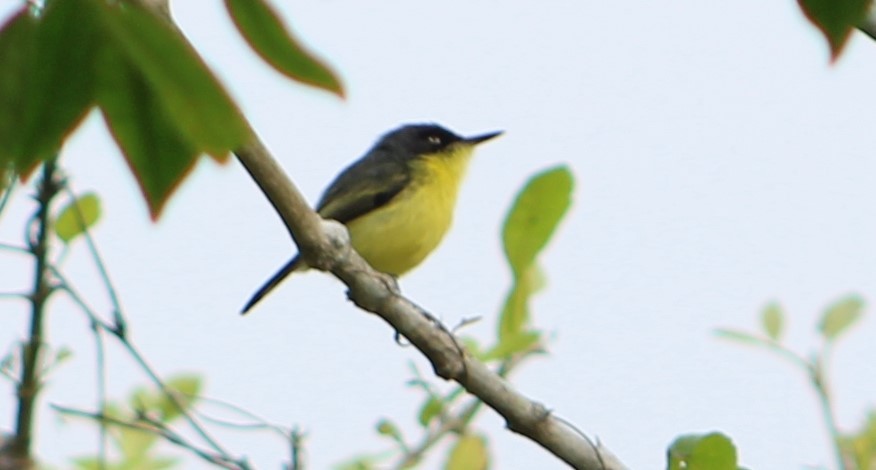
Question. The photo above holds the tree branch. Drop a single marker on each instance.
(19, 450)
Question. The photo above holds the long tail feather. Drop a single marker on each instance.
(293, 265)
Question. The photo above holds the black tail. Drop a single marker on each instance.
(287, 269)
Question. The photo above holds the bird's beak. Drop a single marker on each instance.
(481, 138)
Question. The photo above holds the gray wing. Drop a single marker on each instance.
(366, 185)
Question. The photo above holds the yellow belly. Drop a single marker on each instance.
(400, 235)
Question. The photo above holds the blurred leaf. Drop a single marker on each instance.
(159, 156)
(836, 19)
(387, 428)
(188, 92)
(432, 408)
(46, 79)
(77, 217)
(186, 389)
(469, 453)
(63, 354)
(713, 451)
(358, 463)
(532, 220)
(840, 316)
(772, 320)
(134, 444)
(88, 463)
(860, 447)
(268, 36)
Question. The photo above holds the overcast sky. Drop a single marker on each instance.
(720, 163)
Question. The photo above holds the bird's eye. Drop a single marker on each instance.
(434, 140)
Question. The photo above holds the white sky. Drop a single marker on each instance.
(720, 163)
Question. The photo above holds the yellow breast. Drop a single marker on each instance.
(398, 236)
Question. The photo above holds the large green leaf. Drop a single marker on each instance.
(17, 57)
(836, 19)
(191, 96)
(46, 77)
(264, 31)
(537, 211)
(158, 154)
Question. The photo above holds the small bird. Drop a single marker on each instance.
(397, 201)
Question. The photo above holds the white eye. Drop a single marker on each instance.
(434, 140)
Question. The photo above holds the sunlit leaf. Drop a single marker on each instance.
(836, 19)
(77, 217)
(532, 220)
(270, 38)
(469, 453)
(840, 316)
(713, 451)
(772, 320)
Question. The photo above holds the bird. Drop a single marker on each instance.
(397, 201)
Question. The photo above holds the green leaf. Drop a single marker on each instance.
(77, 217)
(133, 443)
(88, 463)
(192, 97)
(17, 59)
(772, 320)
(713, 451)
(432, 408)
(861, 446)
(836, 19)
(47, 82)
(186, 389)
(159, 155)
(840, 316)
(268, 36)
(532, 220)
(387, 428)
(469, 453)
